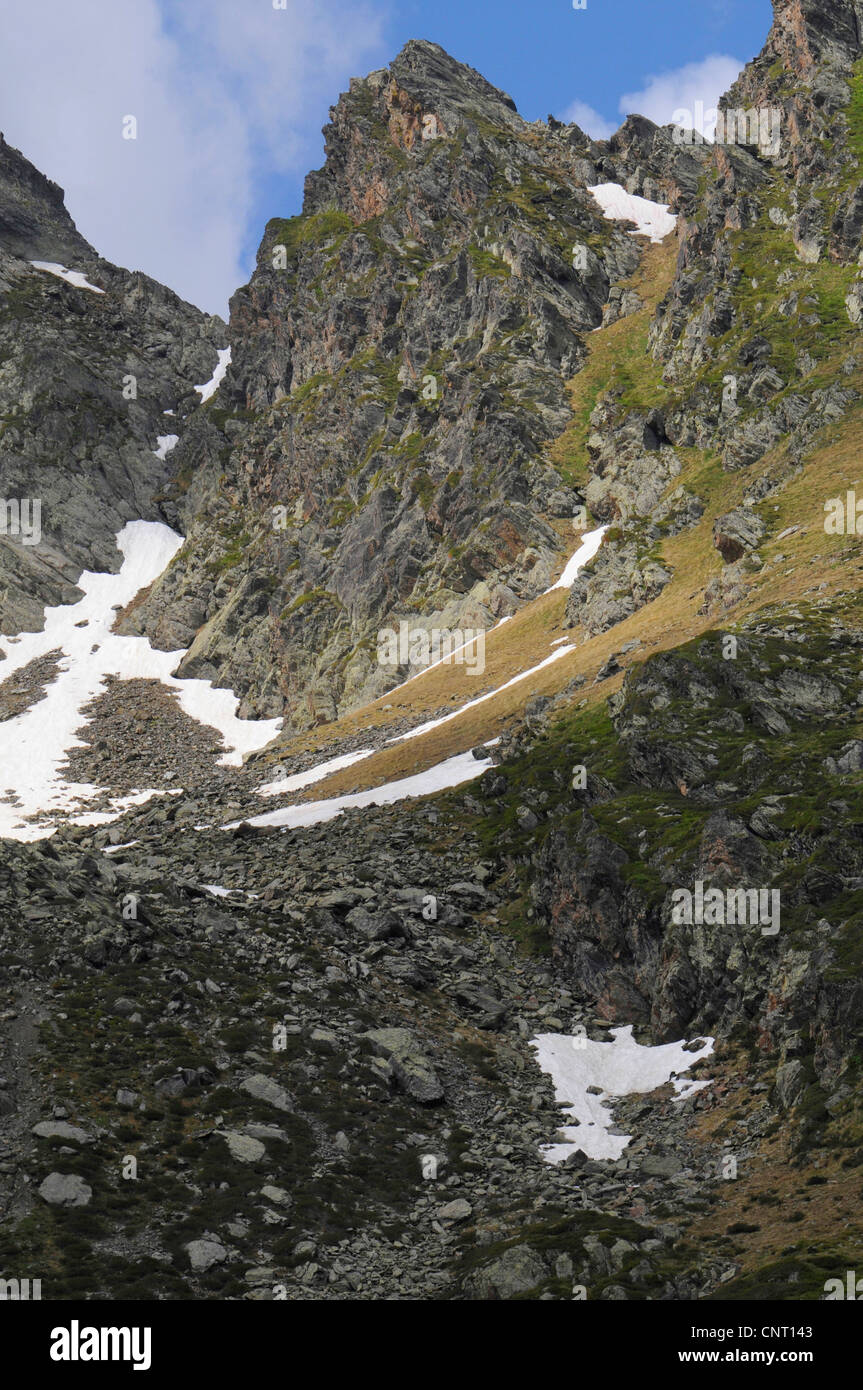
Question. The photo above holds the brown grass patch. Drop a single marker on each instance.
(814, 563)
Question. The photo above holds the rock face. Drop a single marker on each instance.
(399, 360)
(820, 45)
(34, 223)
(619, 582)
(85, 382)
(680, 719)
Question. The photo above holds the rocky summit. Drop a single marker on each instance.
(431, 715)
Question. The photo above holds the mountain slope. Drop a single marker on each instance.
(319, 1033)
(86, 379)
(377, 451)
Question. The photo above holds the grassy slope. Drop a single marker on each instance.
(806, 563)
(787, 1220)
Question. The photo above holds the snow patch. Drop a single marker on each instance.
(588, 548)
(35, 743)
(166, 443)
(619, 1068)
(72, 277)
(298, 780)
(211, 387)
(651, 219)
(451, 773)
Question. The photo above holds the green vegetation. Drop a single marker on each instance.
(485, 264)
(701, 717)
(312, 596)
(854, 113)
(315, 231)
(423, 487)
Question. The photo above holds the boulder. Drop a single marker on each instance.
(65, 1190)
(409, 1065)
(737, 532)
(518, 1270)
(243, 1148)
(266, 1089)
(203, 1254)
(61, 1129)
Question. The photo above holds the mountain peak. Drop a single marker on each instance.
(424, 95)
(425, 67)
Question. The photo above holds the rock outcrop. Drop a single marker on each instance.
(90, 380)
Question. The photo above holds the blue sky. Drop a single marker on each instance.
(549, 56)
(230, 96)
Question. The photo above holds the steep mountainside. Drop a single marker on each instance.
(334, 1033)
(377, 451)
(86, 376)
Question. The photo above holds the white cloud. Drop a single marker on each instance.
(667, 94)
(595, 125)
(220, 91)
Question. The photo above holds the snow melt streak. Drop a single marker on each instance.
(588, 548)
(451, 773)
(210, 387)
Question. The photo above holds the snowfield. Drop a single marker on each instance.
(211, 387)
(34, 744)
(72, 277)
(651, 219)
(619, 1068)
